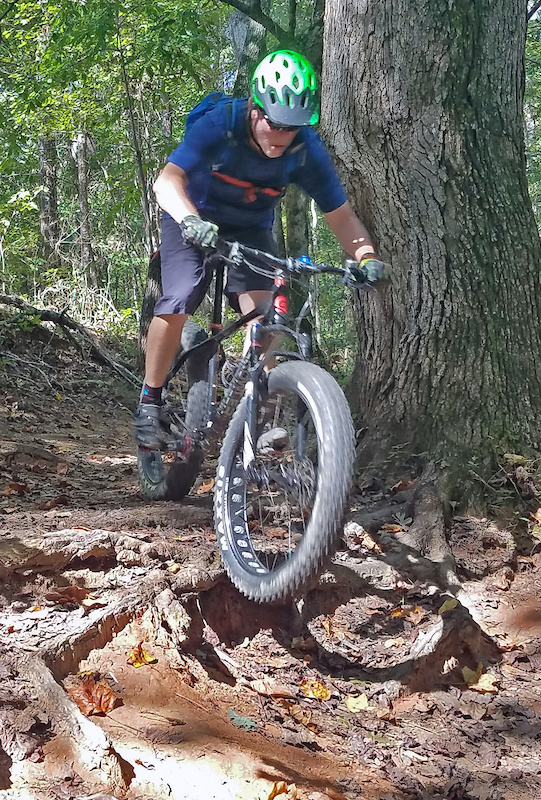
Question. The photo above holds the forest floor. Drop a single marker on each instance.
(187, 689)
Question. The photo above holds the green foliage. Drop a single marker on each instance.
(71, 66)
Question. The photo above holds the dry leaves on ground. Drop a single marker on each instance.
(140, 658)
(94, 698)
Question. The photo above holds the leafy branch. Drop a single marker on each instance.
(254, 11)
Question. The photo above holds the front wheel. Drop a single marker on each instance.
(279, 516)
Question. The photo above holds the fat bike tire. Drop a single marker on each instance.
(171, 476)
(276, 533)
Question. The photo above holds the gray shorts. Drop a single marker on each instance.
(185, 279)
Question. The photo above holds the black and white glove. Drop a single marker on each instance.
(372, 269)
(199, 231)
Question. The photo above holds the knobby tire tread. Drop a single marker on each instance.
(336, 452)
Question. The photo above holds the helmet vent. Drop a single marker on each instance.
(295, 81)
(272, 96)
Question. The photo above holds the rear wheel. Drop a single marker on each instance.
(278, 519)
(170, 476)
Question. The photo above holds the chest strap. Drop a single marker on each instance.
(250, 189)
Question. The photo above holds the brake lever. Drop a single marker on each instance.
(355, 277)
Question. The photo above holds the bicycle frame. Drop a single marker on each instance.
(252, 367)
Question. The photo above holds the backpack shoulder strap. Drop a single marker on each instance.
(232, 112)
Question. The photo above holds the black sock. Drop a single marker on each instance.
(151, 394)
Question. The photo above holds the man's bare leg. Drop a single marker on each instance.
(163, 343)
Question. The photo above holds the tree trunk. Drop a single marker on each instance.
(48, 208)
(248, 39)
(297, 207)
(432, 152)
(87, 262)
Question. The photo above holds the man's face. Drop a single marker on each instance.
(273, 141)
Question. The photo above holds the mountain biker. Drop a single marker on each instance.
(226, 177)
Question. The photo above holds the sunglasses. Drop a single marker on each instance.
(280, 128)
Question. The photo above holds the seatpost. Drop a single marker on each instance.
(215, 326)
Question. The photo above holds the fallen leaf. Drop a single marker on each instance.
(280, 787)
(503, 579)
(67, 595)
(15, 488)
(271, 688)
(487, 684)
(207, 487)
(61, 500)
(276, 533)
(62, 468)
(304, 643)
(94, 698)
(241, 722)
(315, 689)
(416, 614)
(403, 485)
(412, 702)
(90, 603)
(386, 714)
(509, 669)
(449, 665)
(299, 713)
(140, 658)
(472, 676)
(356, 702)
(449, 604)
(38, 467)
(392, 528)
(367, 541)
(327, 622)
(398, 641)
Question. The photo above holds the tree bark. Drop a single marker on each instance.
(48, 208)
(297, 206)
(432, 152)
(87, 261)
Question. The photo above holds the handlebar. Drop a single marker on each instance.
(352, 275)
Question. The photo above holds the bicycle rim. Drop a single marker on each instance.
(279, 518)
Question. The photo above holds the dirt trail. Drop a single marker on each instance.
(339, 696)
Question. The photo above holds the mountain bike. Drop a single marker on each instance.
(285, 465)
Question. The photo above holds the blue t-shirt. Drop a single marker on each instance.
(235, 186)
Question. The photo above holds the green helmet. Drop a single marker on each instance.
(284, 86)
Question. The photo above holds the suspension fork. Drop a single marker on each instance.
(253, 396)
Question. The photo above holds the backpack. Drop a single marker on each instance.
(207, 104)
